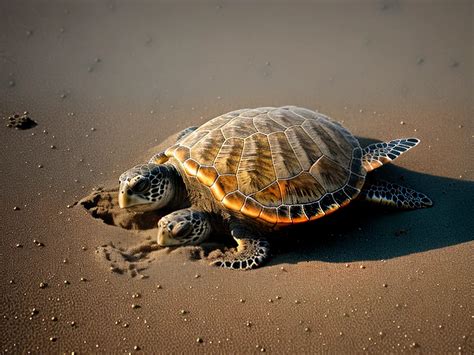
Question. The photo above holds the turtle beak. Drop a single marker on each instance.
(123, 197)
(164, 239)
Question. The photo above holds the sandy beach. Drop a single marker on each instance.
(108, 82)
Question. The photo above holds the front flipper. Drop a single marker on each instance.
(378, 154)
(251, 252)
(393, 195)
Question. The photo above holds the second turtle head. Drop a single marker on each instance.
(183, 227)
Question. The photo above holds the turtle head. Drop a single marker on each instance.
(147, 187)
(183, 227)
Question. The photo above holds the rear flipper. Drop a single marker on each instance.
(378, 154)
(392, 195)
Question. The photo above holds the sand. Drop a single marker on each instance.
(107, 81)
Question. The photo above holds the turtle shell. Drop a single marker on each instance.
(281, 165)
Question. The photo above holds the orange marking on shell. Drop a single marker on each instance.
(345, 203)
(169, 152)
(300, 219)
(234, 201)
(317, 216)
(331, 210)
(270, 196)
(269, 215)
(160, 158)
(223, 185)
(217, 191)
(181, 153)
(284, 220)
(191, 167)
(251, 208)
(206, 175)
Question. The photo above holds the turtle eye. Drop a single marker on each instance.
(182, 229)
(142, 185)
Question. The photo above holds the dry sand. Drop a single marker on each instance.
(108, 80)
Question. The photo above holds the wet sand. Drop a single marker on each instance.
(108, 81)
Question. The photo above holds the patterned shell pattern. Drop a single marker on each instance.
(281, 165)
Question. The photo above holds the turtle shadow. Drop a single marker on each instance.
(362, 232)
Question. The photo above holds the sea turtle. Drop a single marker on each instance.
(258, 170)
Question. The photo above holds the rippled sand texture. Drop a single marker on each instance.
(106, 81)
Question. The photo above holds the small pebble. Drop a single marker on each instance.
(38, 243)
(199, 340)
(136, 347)
(135, 306)
(54, 319)
(43, 285)
(18, 245)
(53, 339)
(16, 208)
